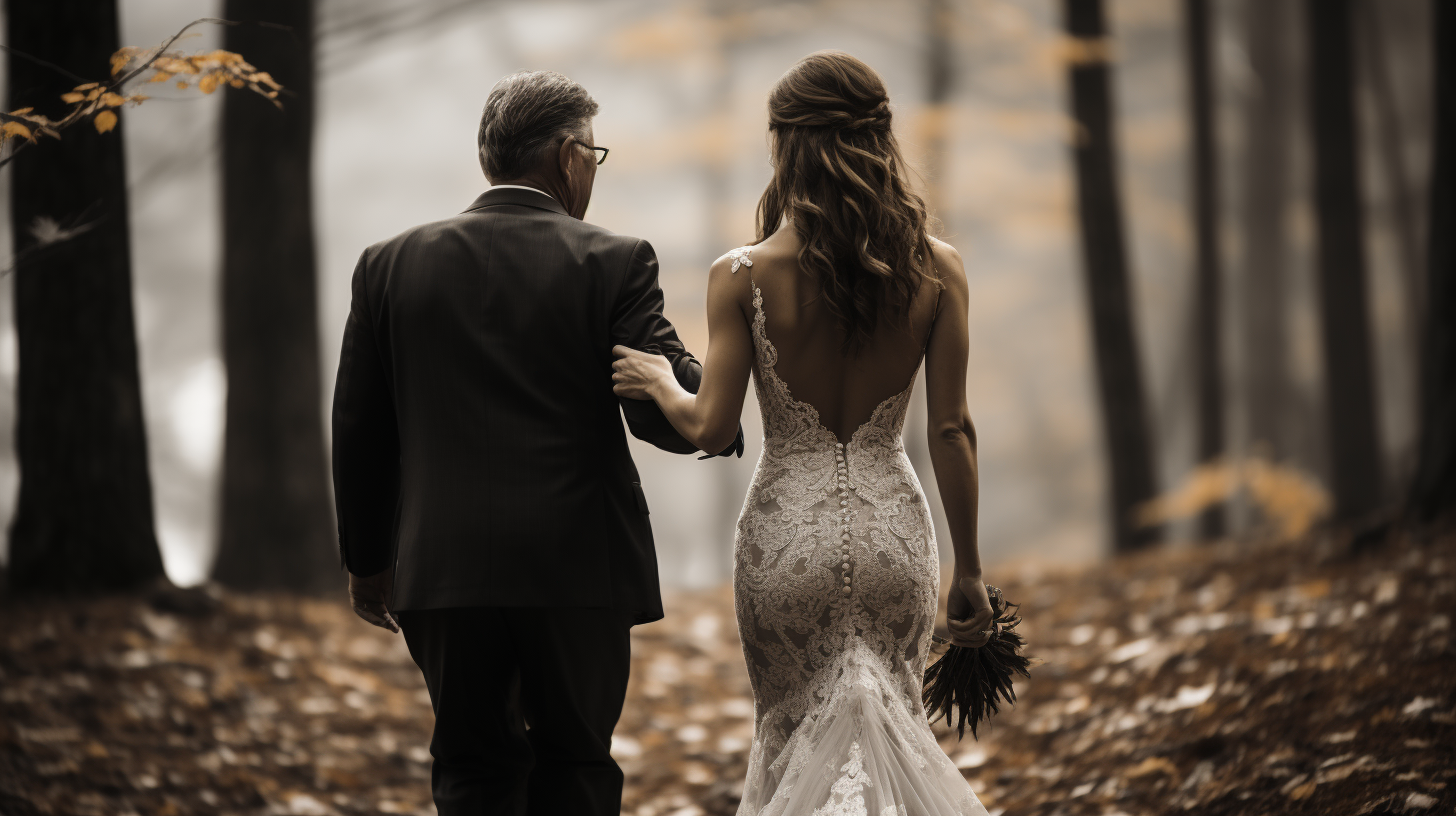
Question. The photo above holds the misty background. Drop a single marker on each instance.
(682, 88)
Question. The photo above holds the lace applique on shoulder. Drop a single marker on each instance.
(740, 257)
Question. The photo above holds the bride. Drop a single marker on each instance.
(836, 576)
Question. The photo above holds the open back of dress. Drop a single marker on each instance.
(836, 574)
(843, 388)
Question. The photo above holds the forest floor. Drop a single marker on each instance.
(1231, 679)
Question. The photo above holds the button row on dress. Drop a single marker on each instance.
(842, 478)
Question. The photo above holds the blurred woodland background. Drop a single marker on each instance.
(1217, 184)
(1209, 244)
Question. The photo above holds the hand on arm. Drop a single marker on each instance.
(638, 322)
(708, 419)
(952, 442)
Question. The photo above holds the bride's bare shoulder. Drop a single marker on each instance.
(763, 256)
(944, 255)
(949, 267)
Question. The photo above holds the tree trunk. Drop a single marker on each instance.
(939, 79)
(84, 517)
(1104, 259)
(1390, 135)
(277, 525)
(1207, 303)
(1355, 453)
(1268, 126)
(1433, 493)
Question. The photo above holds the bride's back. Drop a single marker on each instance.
(843, 261)
(843, 385)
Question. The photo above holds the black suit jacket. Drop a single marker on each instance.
(477, 443)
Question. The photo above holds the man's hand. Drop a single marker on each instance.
(370, 598)
(968, 613)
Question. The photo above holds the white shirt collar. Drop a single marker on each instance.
(520, 187)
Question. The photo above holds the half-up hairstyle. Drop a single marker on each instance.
(840, 179)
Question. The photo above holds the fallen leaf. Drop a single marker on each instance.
(1153, 765)
(1301, 791)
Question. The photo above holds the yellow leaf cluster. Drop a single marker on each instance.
(1291, 500)
(209, 69)
(94, 100)
(99, 101)
(25, 124)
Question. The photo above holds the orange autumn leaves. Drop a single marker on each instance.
(98, 102)
(210, 70)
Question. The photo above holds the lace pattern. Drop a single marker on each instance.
(836, 579)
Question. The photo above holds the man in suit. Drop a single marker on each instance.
(486, 498)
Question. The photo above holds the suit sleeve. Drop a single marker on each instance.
(366, 443)
(637, 322)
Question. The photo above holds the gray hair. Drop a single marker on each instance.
(526, 113)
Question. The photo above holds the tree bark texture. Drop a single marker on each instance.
(1104, 259)
(1268, 129)
(1208, 268)
(1391, 140)
(83, 521)
(1355, 453)
(1433, 492)
(277, 528)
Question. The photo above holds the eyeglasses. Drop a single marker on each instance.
(601, 153)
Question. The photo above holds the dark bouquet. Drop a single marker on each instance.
(976, 680)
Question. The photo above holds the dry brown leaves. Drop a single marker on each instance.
(1235, 679)
(257, 705)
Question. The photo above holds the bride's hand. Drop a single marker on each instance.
(634, 373)
(968, 612)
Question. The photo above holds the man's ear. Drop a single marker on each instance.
(563, 158)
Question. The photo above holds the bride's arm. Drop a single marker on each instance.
(708, 419)
(951, 437)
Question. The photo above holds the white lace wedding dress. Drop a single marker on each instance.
(835, 580)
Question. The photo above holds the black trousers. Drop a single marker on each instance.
(525, 702)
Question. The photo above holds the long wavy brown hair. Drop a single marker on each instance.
(840, 178)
